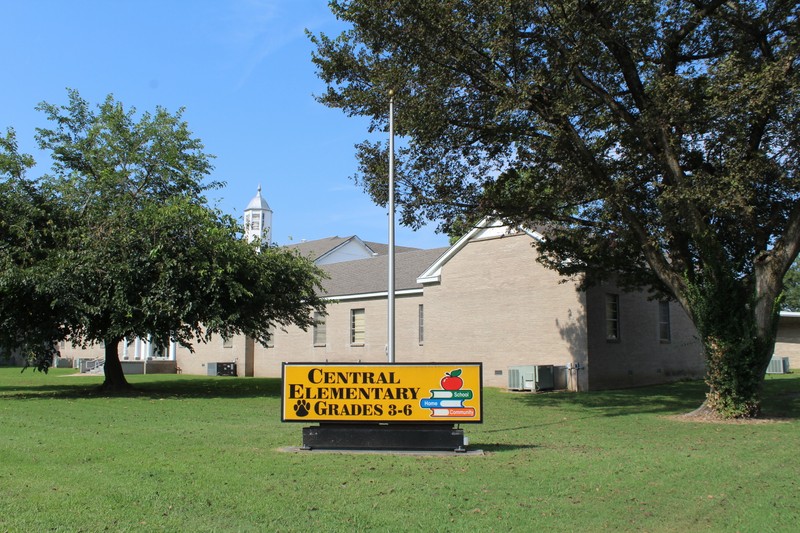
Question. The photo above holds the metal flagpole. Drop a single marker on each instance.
(390, 332)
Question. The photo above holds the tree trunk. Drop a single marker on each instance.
(738, 338)
(736, 368)
(115, 378)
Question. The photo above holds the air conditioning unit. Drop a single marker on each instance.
(531, 377)
(560, 378)
(226, 369)
(518, 376)
(544, 379)
(221, 369)
(778, 365)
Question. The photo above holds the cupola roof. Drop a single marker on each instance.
(258, 202)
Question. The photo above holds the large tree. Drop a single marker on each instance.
(27, 224)
(658, 141)
(133, 247)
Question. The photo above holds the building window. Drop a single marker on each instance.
(319, 332)
(612, 317)
(271, 337)
(664, 328)
(357, 327)
(421, 325)
(227, 343)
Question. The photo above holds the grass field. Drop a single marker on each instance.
(188, 453)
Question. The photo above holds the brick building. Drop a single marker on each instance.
(484, 299)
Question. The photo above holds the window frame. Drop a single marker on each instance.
(319, 332)
(358, 327)
(613, 331)
(664, 321)
(421, 324)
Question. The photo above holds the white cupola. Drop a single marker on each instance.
(258, 220)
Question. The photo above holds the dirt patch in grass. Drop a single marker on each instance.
(714, 419)
(706, 415)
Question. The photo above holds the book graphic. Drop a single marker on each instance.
(449, 400)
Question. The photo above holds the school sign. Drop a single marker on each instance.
(382, 393)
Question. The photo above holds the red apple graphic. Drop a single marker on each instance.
(452, 380)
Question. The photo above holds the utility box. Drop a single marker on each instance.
(778, 365)
(560, 378)
(221, 369)
(226, 369)
(531, 378)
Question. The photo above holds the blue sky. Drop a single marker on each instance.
(243, 71)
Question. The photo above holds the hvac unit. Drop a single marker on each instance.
(222, 369)
(544, 377)
(226, 369)
(531, 377)
(778, 365)
(517, 377)
(560, 378)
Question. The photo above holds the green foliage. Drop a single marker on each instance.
(459, 228)
(28, 227)
(791, 288)
(12, 163)
(119, 241)
(655, 141)
(190, 453)
(736, 355)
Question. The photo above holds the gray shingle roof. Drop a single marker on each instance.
(383, 249)
(319, 247)
(370, 275)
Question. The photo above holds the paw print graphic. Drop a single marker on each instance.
(302, 407)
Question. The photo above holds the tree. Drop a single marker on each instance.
(137, 251)
(27, 222)
(791, 292)
(657, 140)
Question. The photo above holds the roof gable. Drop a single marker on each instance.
(333, 249)
(350, 249)
(338, 249)
(488, 228)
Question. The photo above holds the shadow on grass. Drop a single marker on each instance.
(153, 387)
(662, 399)
(497, 447)
(782, 396)
(781, 399)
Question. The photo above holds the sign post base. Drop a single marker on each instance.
(337, 436)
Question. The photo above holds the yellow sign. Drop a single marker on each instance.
(443, 393)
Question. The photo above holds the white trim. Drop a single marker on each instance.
(384, 294)
(329, 252)
(790, 314)
(353, 238)
(434, 272)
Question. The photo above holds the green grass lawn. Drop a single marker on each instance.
(188, 453)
